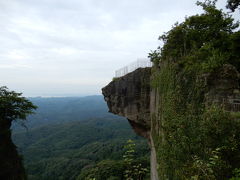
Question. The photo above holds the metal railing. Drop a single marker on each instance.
(140, 63)
(231, 104)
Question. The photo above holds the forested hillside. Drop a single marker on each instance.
(65, 109)
(81, 137)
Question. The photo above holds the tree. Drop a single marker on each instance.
(12, 107)
(233, 4)
(206, 36)
(134, 170)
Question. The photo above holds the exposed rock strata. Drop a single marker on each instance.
(223, 88)
(129, 96)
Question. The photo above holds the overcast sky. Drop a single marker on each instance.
(73, 47)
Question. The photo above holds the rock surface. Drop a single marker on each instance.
(223, 88)
(129, 96)
(11, 166)
(132, 97)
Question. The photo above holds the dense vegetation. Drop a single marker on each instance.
(195, 140)
(82, 141)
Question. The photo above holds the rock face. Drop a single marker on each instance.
(223, 88)
(129, 96)
(11, 166)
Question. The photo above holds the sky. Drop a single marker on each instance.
(73, 47)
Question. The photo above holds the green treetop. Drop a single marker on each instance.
(13, 106)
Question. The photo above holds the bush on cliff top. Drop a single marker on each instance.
(202, 39)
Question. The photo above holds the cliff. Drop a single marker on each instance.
(192, 123)
(133, 97)
(12, 107)
(10, 162)
(129, 96)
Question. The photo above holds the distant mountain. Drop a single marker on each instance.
(64, 109)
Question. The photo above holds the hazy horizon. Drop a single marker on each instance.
(66, 96)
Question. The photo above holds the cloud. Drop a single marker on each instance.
(79, 43)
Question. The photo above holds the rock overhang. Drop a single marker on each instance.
(129, 96)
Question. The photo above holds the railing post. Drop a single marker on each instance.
(132, 67)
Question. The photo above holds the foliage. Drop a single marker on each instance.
(155, 56)
(85, 144)
(195, 141)
(203, 38)
(104, 170)
(133, 170)
(12, 107)
(88, 145)
(115, 78)
(236, 173)
(131, 167)
(233, 4)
